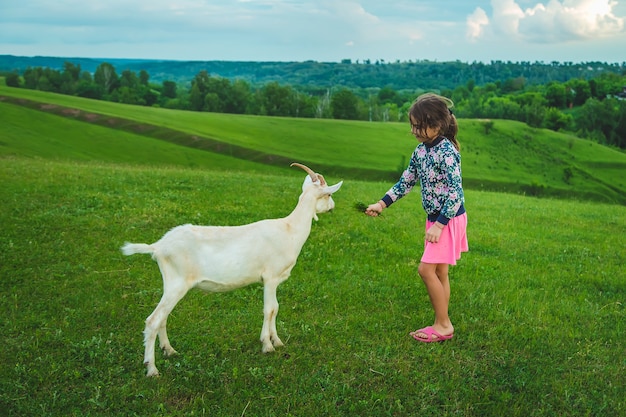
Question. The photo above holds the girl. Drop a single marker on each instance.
(436, 162)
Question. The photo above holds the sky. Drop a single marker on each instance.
(322, 30)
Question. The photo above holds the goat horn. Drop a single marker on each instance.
(313, 175)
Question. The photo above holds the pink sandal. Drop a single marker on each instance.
(430, 332)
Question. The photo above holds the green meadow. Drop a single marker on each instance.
(537, 302)
(511, 157)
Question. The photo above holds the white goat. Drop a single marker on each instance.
(224, 258)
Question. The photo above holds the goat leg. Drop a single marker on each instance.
(155, 323)
(164, 341)
(269, 337)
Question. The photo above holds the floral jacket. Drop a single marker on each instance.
(438, 167)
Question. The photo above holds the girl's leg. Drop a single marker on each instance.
(435, 277)
(442, 274)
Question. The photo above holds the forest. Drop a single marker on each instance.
(588, 99)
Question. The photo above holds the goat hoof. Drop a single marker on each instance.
(267, 348)
(152, 370)
(169, 352)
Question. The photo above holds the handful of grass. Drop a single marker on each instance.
(361, 207)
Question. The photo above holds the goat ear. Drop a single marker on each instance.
(333, 188)
(307, 181)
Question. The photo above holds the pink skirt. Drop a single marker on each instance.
(452, 242)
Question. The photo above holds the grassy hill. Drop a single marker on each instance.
(29, 133)
(509, 157)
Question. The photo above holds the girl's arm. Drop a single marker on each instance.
(405, 184)
(451, 163)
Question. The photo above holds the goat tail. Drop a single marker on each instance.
(133, 248)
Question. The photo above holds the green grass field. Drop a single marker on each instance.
(537, 303)
(511, 158)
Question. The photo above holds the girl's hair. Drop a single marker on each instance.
(432, 110)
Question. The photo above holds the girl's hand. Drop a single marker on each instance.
(374, 209)
(434, 232)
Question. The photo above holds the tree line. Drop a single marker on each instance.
(399, 75)
(591, 108)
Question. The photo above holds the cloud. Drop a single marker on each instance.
(356, 20)
(553, 22)
(325, 30)
(571, 20)
(271, 28)
(506, 17)
(476, 23)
